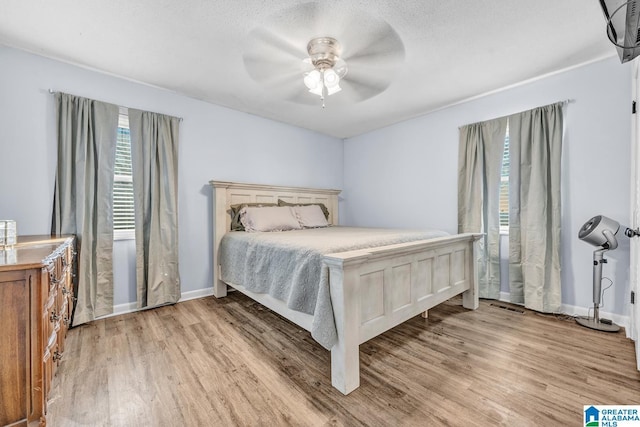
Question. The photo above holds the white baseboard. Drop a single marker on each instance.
(119, 309)
(569, 310)
(131, 307)
(198, 293)
(572, 310)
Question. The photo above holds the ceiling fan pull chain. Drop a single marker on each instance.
(322, 86)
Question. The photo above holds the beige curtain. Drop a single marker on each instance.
(479, 163)
(154, 155)
(535, 143)
(82, 203)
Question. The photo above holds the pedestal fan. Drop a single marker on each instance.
(601, 231)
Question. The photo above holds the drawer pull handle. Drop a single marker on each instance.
(57, 356)
(66, 321)
(54, 317)
(64, 290)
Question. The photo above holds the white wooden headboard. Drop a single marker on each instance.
(232, 193)
(226, 194)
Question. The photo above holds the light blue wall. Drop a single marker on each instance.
(406, 174)
(401, 176)
(215, 143)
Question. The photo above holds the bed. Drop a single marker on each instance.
(370, 290)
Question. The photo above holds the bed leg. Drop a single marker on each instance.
(345, 354)
(470, 298)
(425, 314)
(219, 289)
(345, 368)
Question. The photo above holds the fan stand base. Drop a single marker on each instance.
(589, 322)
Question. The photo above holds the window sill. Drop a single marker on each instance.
(124, 235)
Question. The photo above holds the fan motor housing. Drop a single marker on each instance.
(324, 52)
(592, 231)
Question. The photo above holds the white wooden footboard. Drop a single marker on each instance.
(374, 290)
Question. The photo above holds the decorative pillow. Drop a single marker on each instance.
(236, 225)
(325, 211)
(276, 218)
(310, 216)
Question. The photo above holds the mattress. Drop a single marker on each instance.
(288, 265)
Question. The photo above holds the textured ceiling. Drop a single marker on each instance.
(452, 50)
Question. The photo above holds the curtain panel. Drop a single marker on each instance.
(86, 133)
(535, 138)
(480, 152)
(154, 155)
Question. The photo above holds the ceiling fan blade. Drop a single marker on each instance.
(287, 86)
(382, 45)
(267, 41)
(295, 91)
(305, 98)
(377, 82)
(269, 56)
(271, 69)
(361, 90)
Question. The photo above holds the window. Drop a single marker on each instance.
(123, 219)
(504, 187)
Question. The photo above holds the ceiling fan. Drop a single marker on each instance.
(320, 49)
(324, 67)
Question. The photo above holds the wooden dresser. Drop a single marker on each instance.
(36, 303)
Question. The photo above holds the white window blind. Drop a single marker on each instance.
(123, 218)
(504, 186)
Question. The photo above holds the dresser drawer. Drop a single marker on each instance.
(50, 359)
(63, 321)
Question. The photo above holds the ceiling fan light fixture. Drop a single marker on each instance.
(331, 78)
(333, 89)
(324, 55)
(312, 79)
(317, 90)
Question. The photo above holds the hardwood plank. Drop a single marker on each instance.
(233, 362)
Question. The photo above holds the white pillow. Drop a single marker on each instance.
(310, 216)
(272, 218)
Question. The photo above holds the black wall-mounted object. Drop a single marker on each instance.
(623, 26)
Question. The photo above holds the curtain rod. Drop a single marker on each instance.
(566, 101)
(53, 92)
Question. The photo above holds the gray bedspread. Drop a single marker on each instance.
(288, 265)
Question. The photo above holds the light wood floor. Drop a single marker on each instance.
(229, 362)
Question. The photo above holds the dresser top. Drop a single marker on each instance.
(31, 251)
